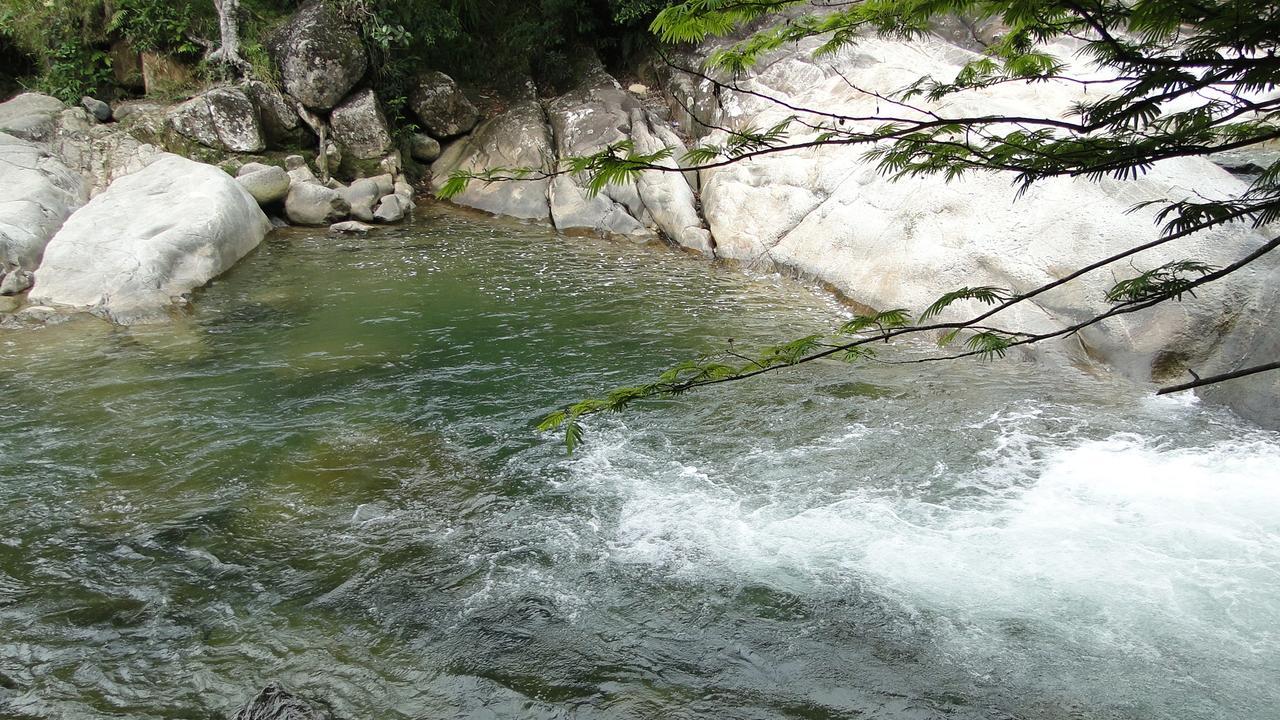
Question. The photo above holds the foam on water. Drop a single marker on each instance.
(1100, 572)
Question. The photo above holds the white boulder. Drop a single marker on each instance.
(147, 240)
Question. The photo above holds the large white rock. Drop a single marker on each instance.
(37, 194)
(830, 215)
(149, 239)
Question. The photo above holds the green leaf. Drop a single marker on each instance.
(987, 295)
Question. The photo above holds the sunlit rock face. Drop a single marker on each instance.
(149, 239)
(830, 214)
(37, 194)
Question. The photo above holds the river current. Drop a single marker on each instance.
(328, 474)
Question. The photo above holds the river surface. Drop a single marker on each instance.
(328, 475)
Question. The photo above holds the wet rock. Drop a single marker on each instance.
(314, 204)
(442, 107)
(16, 281)
(424, 148)
(360, 128)
(95, 107)
(269, 185)
(276, 703)
(350, 226)
(320, 55)
(391, 209)
(149, 238)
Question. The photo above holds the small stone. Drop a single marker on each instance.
(98, 109)
(638, 89)
(295, 162)
(350, 226)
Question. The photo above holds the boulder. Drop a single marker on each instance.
(37, 194)
(299, 171)
(359, 127)
(314, 204)
(830, 215)
(424, 148)
(151, 237)
(518, 137)
(235, 119)
(193, 120)
(95, 107)
(30, 116)
(599, 113)
(222, 118)
(592, 116)
(442, 107)
(391, 209)
(127, 109)
(270, 185)
(362, 195)
(15, 281)
(252, 167)
(276, 703)
(320, 56)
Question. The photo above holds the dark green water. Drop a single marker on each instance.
(328, 475)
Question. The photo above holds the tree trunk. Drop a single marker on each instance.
(228, 51)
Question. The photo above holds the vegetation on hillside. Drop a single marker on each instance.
(65, 45)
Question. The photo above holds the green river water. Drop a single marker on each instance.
(327, 474)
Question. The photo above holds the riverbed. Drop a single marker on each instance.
(327, 474)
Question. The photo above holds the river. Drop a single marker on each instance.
(328, 474)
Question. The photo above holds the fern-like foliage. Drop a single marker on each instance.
(1171, 280)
